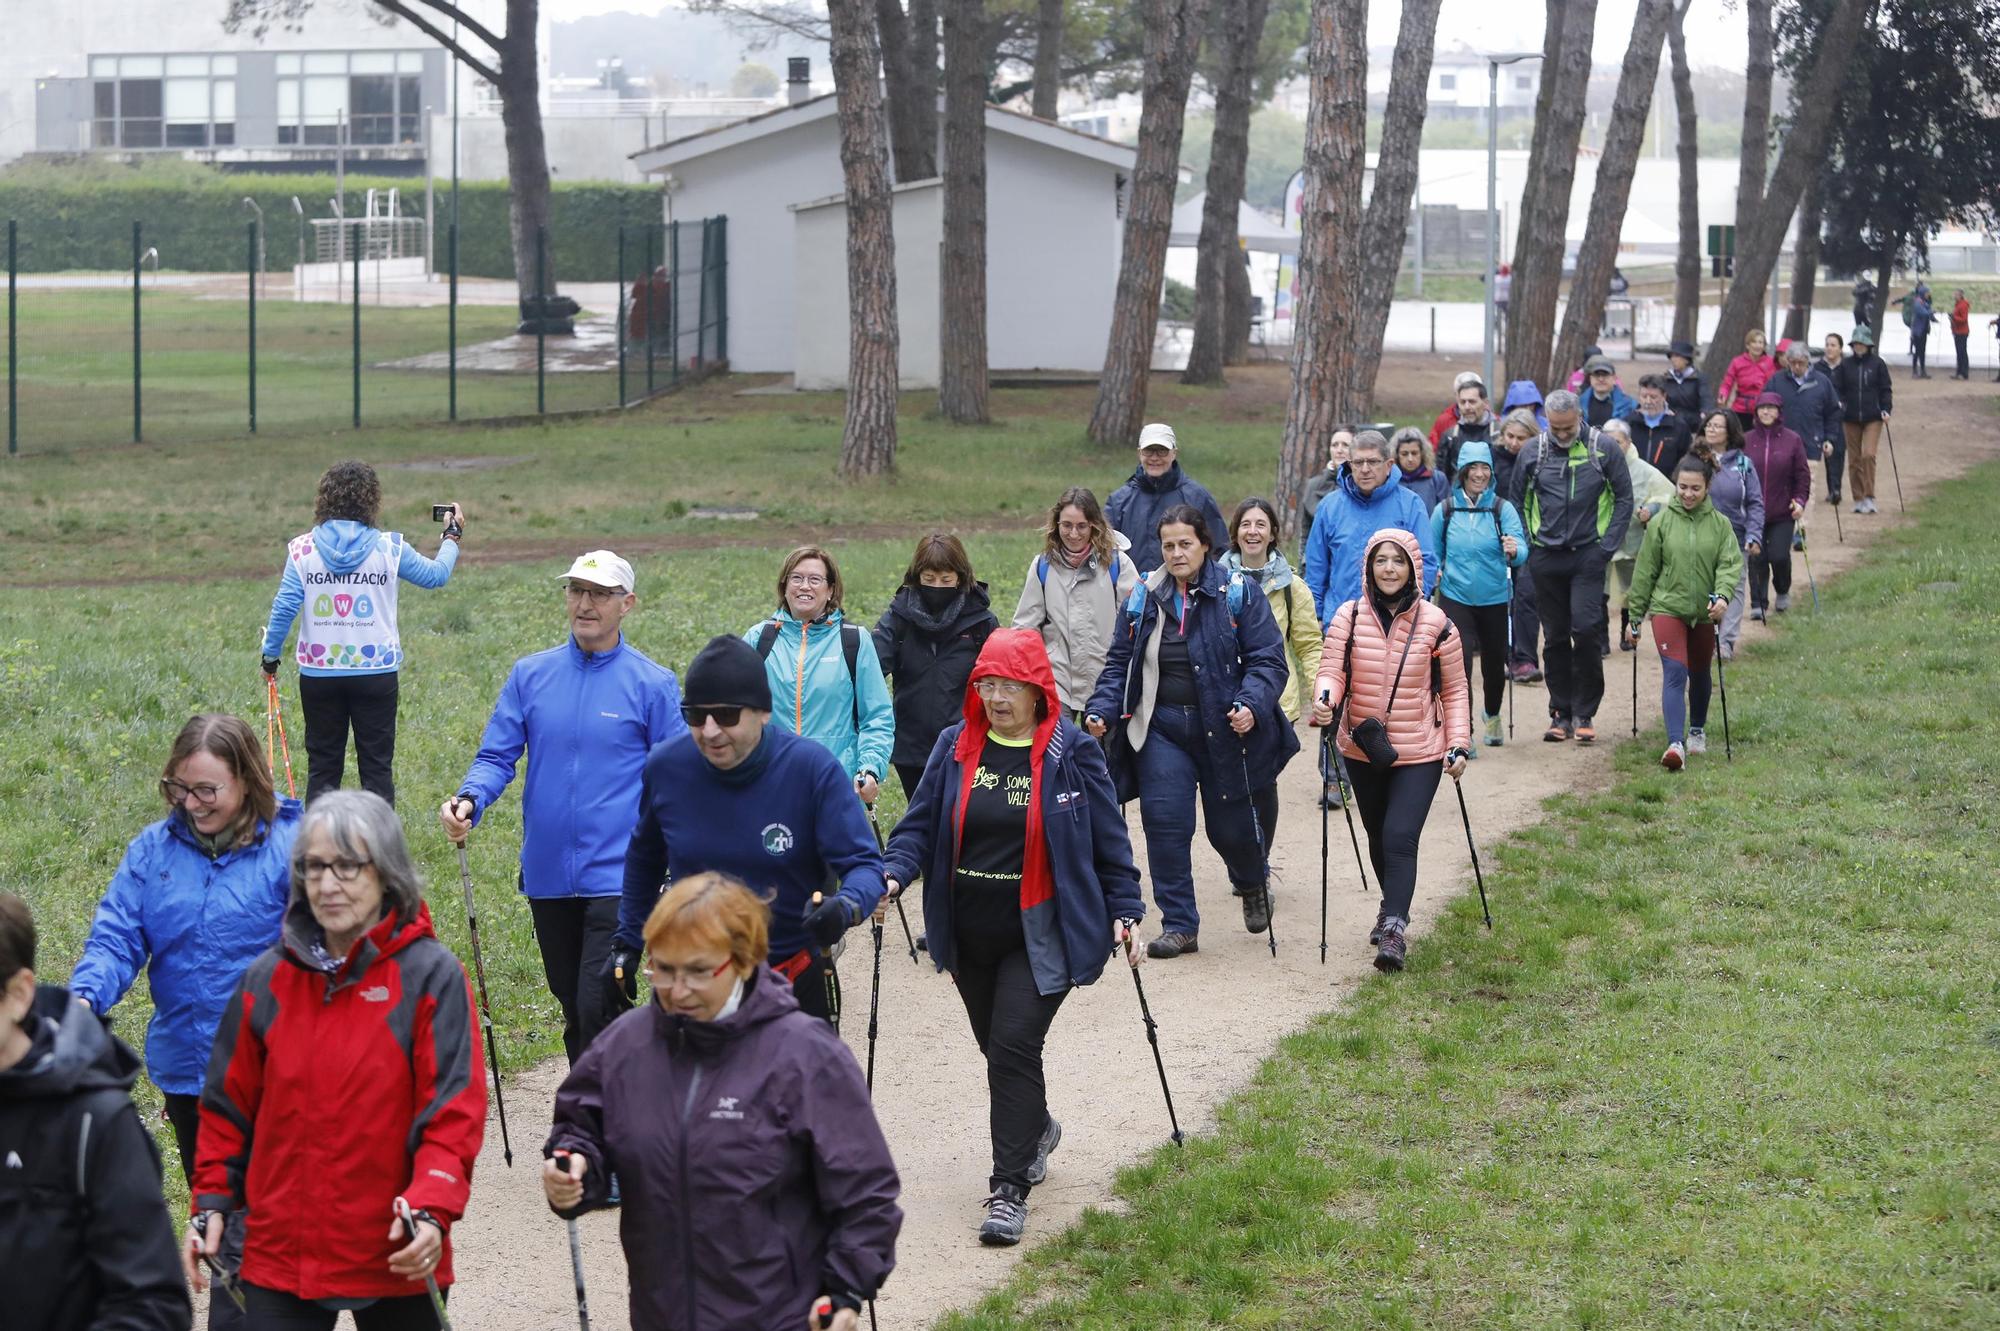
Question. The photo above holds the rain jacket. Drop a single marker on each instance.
(1077, 878)
(1809, 408)
(1241, 662)
(1597, 410)
(1783, 473)
(807, 668)
(929, 656)
(1661, 443)
(1523, 393)
(1344, 523)
(1652, 492)
(337, 1086)
(1573, 496)
(1428, 714)
(1866, 391)
(1738, 496)
(1428, 484)
(195, 924)
(1472, 564)
(1745, 379)
(1687, 396)
(1458, 436)
(343, 545)
(1135, 508)
(1686, 559)
(587, 721)
(753, 1175)
(88, 1242)
(1319, 487)
(1075, 610)
(1298, 620)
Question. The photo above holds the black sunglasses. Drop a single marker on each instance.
(696, 717)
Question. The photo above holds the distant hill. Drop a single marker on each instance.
(679, 51)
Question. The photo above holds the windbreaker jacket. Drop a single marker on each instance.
(1076, 882)
(1523, 393)
(1422, 724)
(1811, 409)
(1298, 623)
(1687, 396)
(1783, 473)
(1745, 379)
(1135, 508)
(753, 1175)
(87, 1240)
(1651, 492)
(807, 668)
(1866, 391)
(587, 721)
(1617, 405)
(1075, 610)
(1687, 557)
(1661, 444)
(1473, 565)
(930, 657)
(332, 1093)
(1235, 663)
(343, 545)
(194, 924)
(1346, 519)
(1738, 496)
(1573, 496)
(1458, 436)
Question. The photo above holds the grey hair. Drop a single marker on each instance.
(1561, 400)
(1372, 440)
(1411, 433)
(1614, 426)
(361, 824)
(1798, 349)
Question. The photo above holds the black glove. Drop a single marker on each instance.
(828, 921)
(622, 991)
(270, 664)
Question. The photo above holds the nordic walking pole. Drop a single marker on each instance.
(1477, 876)
(226, 1281)
(1722, 685)
(1890, 439)
(275, 716)
(1263, 855)
(1799, 544)
(1152, 1037)
(1510, 653)
(409, 1220)
(883, 846)
(1324, 737)
(576, 1260)
(1635, 681)
(1346, 808)
(485, 1003)
(874, 1005)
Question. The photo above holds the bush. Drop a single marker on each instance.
(1177, 304)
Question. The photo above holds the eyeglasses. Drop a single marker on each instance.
(1001, 688)
(1367, 463)
(697, 717)
(176, 793)
(595, 595)
(1073, 528)
(344, 870)
(805, 580)
(685, 977)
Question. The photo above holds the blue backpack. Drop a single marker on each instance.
(1042, 569)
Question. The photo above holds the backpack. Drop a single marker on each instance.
(1042, 569)
(1135, 604)
(1592, 444)
(850, 647)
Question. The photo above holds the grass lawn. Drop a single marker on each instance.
(1729, 1059)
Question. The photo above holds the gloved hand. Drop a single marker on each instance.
(829, 920)
(270, 664)
(623, 991)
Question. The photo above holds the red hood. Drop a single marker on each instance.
(1010, 654)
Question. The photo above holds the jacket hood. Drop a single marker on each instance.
(1276, 574)
(1473, 451)
(71, 1050)
(1767, 398)
(1010, 654)
(1403, 541)
(343, 543)
(1390, 484)
(1521, 393)
(971, 605)
(766, 998)
(1168, 480)
(303, 939)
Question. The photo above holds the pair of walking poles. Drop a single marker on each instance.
(1721, 682)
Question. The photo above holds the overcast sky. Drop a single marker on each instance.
(1715, 27)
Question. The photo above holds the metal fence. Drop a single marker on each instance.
(132, 349)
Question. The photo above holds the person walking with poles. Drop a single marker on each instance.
(342, 577)
(1690, 568)
(1028, 884)
(1575, 497)
(1737, 494)
(586, 713)
(756, 1180)
(927, 640)
(1785, 477)
(1072, 593)
(1403, 719)
(1651, 492)
(1809, 408)
(1480, 543)
(1866, 398)
(1254, 557)
(741, 796)
(346, 1098)
(1157, 484)
(1192, 684)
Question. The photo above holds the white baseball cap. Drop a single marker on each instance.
(1157, 435)
(601, 568)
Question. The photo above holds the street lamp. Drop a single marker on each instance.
(1493, 63)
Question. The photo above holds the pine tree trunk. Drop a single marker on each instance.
(1805, 262)
(868, 439)
(1885, 270)
(1813, 105)
(1234, 52)
(925, 79)
(1538, 242)
(527, 149)
(1630, 107)
(962, 379)
(1388, 223)
(1687, 262)
(1173, 36)
(1048, 58)
(1329, 242)
(1236, 311)
(1755, 161)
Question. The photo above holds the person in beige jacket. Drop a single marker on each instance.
(1072, 593)
(1393, 673)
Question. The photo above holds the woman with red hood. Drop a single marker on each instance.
(1028, 886)
(1403, 718)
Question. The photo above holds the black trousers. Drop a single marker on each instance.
(1393, 806)
(1569, 592)
(1482, 629)
(574, 934)
(184, 1117)
(1527, 622)
(275, 1310)
(1917, 341)
(1774, 565)
(909, 774)
(335, 704)
(1964, 369)
(1011, 1020)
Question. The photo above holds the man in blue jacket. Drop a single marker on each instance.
(1605, 400)
(1369, 497)
(1156, 485)
(775, 811)
(588, 713)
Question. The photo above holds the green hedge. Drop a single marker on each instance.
(84, 222)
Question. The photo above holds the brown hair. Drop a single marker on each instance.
(17, 937)
(1733, 437)
(1078, 497)
(800, 556)
(349, 490)
(1255, 503)
(716, 910)
(229, 739)
(940, 552)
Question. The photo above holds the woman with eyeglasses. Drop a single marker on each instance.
(927, 640)
(346, 1097)
(1028, 886)
(1073, 590)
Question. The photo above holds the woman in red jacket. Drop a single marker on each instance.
(1746, 376)
(1785, 476)
(346, 1079)
(1404, 721)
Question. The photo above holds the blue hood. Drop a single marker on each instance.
(1523, 393)
(343, 543)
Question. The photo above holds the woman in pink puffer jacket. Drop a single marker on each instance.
(1392, 668)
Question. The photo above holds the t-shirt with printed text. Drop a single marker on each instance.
(986, 889)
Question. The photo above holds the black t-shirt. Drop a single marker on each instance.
(986, 889)
(1176, 670)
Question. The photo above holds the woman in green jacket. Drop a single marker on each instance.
(1688, 568)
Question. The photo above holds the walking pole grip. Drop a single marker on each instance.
(576, 1257)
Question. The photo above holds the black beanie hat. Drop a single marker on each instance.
(727, 673)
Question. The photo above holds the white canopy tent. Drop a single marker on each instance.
(1257, 231)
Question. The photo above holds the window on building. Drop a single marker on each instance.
(376, 95)
(150, 101)
(1523, 82)
(1447, 83)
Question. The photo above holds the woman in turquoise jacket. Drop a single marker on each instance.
(1480, 542)
(826, 680)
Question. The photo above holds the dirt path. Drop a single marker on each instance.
(1220, 1012)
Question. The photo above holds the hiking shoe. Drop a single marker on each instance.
(1783, 603)
(1697, 740)
(1256, 909)
(1757, 613)
(1392, 948)
(1333, 796)
(1674, 758)
(1038, 1172)
(1170, 945)
(1006, 1217)
(1526, 674)
(1586, 733)
(1496, 734)
(1625, 643)
(1558, 731)
(1381, 922)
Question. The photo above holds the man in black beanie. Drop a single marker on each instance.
(738, 796)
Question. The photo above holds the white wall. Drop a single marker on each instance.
(821, 330)
(1052, 247)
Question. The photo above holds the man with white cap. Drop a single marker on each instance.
(587, 713)
(1158, 484)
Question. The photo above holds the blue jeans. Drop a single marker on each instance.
(1174, 766)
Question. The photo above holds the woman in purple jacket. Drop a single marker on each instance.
(755, 1179)
(1779, 455)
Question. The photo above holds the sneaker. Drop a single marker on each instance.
(1038, 1172)
(1526, 674)
(1558, 731)
(1697, 740)
(1332, 797)
(1170, 945)
(1674, 758)
(1256, 909)
(1496, 735)
(1534, 675)
(1006, 1217)
(1393, 948)
(1757, 613)
(1585, 732)
(1782, 603)
(1625, 643)
(1381, 922)
(1861, 506)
